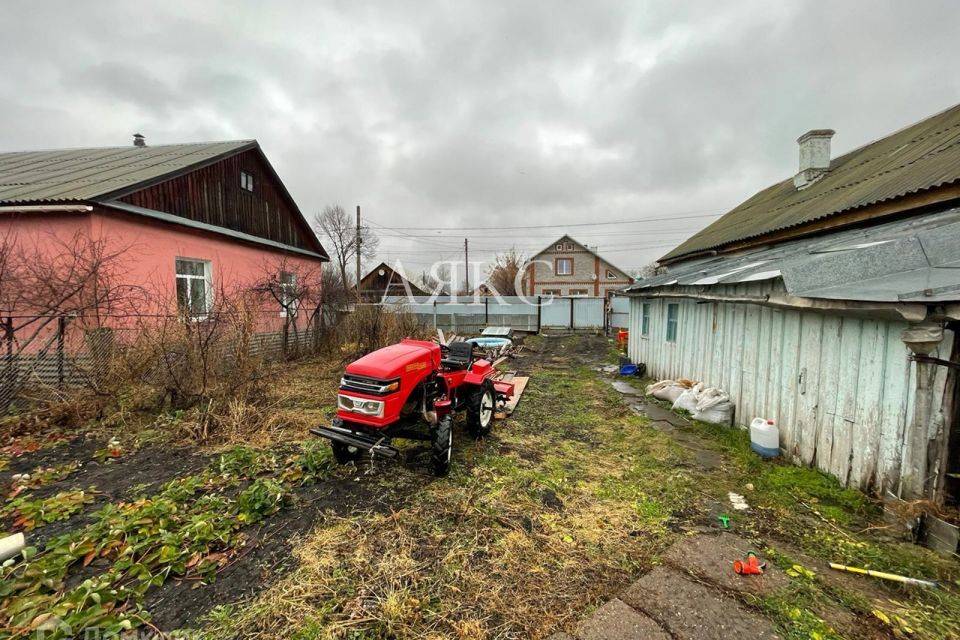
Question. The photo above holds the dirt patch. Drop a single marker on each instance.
(266, 557)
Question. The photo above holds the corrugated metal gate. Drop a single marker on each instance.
(572, 313)
(519, 313)
(620, 312)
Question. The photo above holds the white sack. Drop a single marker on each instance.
(689, 398)
(715, 406)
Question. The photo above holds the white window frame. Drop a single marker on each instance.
(560, 247)
(611, 275)
(645, 319)
(190, 280)
(673, 322)
(557, 263)
(246, 181)
(582, 293)
(288, 303)
(551, 292)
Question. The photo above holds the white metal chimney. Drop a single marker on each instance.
(139, 140)
(814, 156)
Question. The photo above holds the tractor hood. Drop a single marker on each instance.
(396, 360)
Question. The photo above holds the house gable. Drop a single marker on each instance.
(221, 194)
(388, 283)
(582, 269)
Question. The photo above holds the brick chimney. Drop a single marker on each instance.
(139, 140)
(814, 156)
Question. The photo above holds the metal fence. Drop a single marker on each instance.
(464, 315)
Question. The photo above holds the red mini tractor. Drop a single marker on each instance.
(396, 391)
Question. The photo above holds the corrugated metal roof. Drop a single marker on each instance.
(910, 260)
(922, 156)
(88, 174)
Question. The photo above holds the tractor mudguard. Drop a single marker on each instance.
(479, 371)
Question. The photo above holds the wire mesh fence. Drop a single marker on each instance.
(44, 358)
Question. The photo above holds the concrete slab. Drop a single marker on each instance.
(710, 557)
(658, 413)
(617, 621)
(692, 611)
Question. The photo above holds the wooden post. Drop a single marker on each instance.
(571, 312)
(359, 241)
(486, 311)
(539, 312)
(9, 374)
(61, 329)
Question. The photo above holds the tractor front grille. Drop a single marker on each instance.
(372, 386)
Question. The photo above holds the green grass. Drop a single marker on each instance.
(562, 508)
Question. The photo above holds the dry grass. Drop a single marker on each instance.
(532, 528)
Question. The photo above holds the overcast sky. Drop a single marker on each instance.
(453, 115)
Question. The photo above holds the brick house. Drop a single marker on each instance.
(569, 268)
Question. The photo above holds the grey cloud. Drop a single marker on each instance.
(474, 114)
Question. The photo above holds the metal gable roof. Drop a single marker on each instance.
(89, 174)
(585, 248)
(911, 260)
(922, 156)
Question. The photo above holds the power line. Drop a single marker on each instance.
(550, 226)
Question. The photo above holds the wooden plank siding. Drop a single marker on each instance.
(840, 388)
(213, 195)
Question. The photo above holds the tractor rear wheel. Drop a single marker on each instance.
(441, 445)
(480, 410)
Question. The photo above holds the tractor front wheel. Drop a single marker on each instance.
(441, 445)
(344, 453)
(480, 410)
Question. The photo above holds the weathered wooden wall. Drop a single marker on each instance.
(213, 195)
(840, 388)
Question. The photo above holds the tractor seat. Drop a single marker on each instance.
(459, 355)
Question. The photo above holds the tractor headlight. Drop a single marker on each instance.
(361, 405)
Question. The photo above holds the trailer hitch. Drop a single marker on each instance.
(354, 439)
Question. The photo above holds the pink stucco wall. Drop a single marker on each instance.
(149, 249)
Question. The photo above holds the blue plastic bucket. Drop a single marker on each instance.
(628, 370)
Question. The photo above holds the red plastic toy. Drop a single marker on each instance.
(750, 566)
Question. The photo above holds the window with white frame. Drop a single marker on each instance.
(611, 275)
(673, 313)
(563, 266)
(246, 181)
(551, 292)
(560, 247)
(288, 294)
(645, 319)
(194, 288)
(578, 292)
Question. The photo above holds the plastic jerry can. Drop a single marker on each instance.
(765, 437)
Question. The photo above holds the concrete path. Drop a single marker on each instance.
(695, 595)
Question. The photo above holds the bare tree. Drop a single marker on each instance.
(502, 276)
(341, 231)
(437, 280)
(647, 271)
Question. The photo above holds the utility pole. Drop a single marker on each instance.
(359, 241)
(466, 259)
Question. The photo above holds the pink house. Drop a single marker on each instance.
(183, 225)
